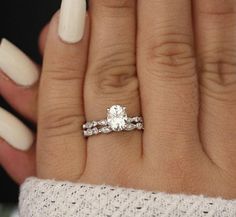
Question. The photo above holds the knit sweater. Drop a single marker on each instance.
(49, 198)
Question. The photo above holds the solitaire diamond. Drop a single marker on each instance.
(117, 118)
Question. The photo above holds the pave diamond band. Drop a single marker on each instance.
(117, 120)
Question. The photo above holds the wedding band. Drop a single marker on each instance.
(117, 120)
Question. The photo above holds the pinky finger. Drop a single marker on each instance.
(18, 164)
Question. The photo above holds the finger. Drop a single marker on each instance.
(61, 145)
(23, 100)
(18, 79)
(111, 78)
(216, 37)
(16, 65)
(14, 131)
(19, 165)
(168, 80)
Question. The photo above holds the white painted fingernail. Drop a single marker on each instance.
(72, 20)
(17, 65)
(14, 132)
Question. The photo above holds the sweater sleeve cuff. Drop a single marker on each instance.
(47, 198)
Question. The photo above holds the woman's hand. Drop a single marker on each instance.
(177, 70)
(176, 65)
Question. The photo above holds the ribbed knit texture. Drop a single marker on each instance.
(48, 198)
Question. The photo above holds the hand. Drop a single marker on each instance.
(181, 79)
(18, 164)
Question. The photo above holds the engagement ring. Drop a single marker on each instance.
(117, 120)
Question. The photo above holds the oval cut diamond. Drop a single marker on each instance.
(117, 118)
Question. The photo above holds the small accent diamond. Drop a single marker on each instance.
(139, 126)
(102, 122)
(88, 132)
(88, 125)
(94, 123)
(135, 119)
(95, 131)
(130, 127)
(105, 130)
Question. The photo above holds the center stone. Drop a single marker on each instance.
(117, 117)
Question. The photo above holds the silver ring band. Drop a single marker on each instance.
(117, 120)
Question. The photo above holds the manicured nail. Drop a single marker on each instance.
(14, 132)
(17, 65)
(72, 20)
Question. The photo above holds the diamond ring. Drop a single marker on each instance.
(117, 120)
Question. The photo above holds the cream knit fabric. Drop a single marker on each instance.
(48, 198)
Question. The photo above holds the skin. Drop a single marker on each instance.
(169, 60)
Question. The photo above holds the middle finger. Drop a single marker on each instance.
(168, 79)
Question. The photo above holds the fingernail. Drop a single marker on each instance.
(17, 65)
(72, 20)
(14, 132)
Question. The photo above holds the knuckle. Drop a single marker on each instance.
(218, 77)
(122, 85)
(60, 122)
(115, 74)
(171, 58)
(117, 81)
(64, 71)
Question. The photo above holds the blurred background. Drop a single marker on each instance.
(21, 22)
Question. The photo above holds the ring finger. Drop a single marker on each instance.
(111, 79)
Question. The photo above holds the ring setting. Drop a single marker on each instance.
(117, 120)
